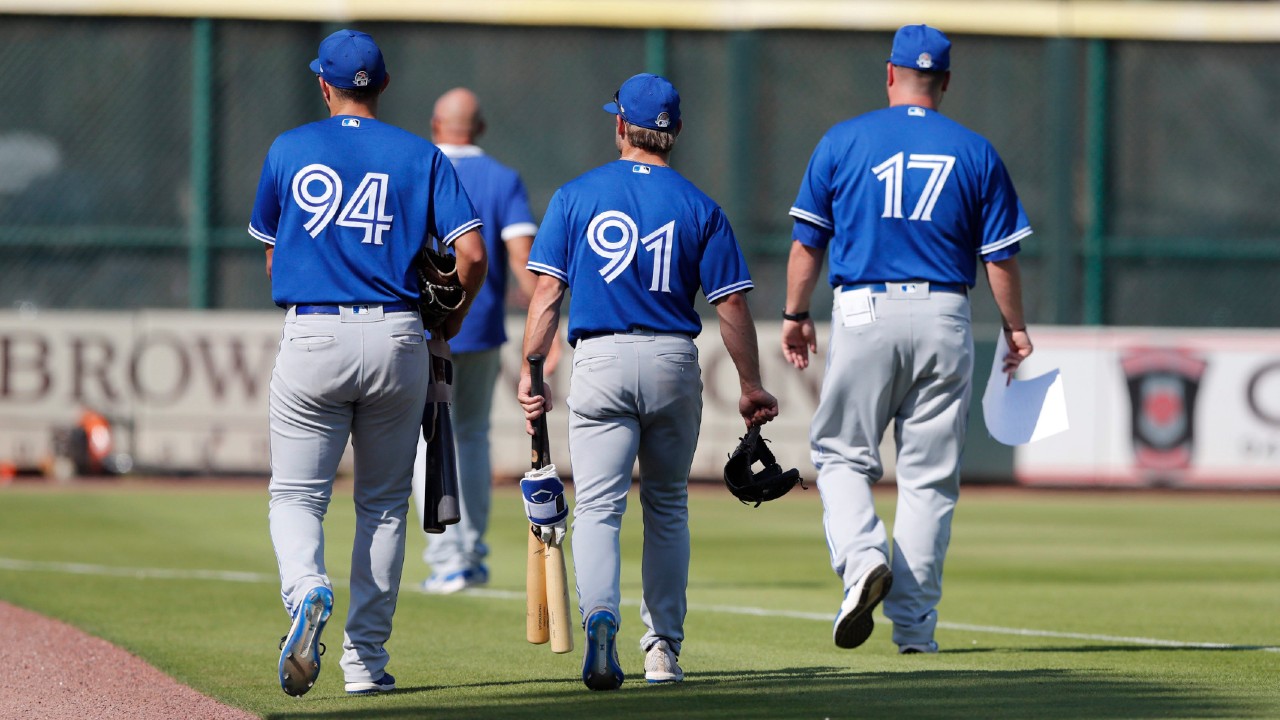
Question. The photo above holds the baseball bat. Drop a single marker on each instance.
(441, 492)
(536, 628)
(555, 579)
(536, 617)
(558, 599)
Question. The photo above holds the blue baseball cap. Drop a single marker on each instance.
(350, 59)
(921, 47)
(648, 101)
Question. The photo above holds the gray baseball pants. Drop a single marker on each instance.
(634, 396)
(911, 367)
(339, 376)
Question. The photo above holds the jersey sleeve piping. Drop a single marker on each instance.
(519, 230)
(741, 286)
(543, 269)
(1005, 242)
(465, 227)
(261, 235)
(811, 218)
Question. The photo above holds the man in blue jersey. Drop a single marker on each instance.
(344, 206)
(457, 555)
(907, 202)
(633, 242)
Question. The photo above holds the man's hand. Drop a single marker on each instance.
(1019, 349)
(757, 406)
(534, 405)
(799, 338)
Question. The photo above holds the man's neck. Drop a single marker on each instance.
(632, 154)
(354, 109)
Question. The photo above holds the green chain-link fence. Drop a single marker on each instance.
(130, 148)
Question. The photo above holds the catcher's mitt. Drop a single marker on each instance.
(440, 290)
(769, 483)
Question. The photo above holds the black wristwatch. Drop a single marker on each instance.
(796, 317)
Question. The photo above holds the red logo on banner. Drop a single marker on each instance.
(1163, 383)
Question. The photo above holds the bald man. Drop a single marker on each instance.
(457, 556)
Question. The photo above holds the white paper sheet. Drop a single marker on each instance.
(1023, 411)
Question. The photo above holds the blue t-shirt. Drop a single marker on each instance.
(907, 194)
(500, 197)
(348, 202)
(635, 243)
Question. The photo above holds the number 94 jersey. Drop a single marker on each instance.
(348, 202)
(634, 243)
(907, 194)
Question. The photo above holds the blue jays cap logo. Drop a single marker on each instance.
(361, 79)
(663, 120)
(925, 61)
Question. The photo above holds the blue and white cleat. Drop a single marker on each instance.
(458, 581)
(600, 667)
(853, 623)
(386, 683)
(301, 649)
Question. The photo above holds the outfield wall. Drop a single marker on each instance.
(188, 393)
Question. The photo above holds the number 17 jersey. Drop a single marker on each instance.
(634, 243)
(905, 193)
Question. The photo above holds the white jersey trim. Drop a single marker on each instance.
(1006, 242)
(261, 236)
(729, 290)
(453, 152)
(812, 218)
(519, 230)
(473, 225)
(554, 272)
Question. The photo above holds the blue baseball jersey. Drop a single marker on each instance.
(908, 194)
(348, 202)
(635, 243)
(498, 194)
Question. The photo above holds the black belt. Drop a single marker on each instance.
(632, 331)
(337, 309)
(880, 287)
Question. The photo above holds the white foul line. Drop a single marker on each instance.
(247, 577)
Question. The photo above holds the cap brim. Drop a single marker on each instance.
(612, 108)
(315, 67)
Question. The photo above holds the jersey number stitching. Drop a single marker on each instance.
(890, 172)
(621, 250)
(365, 210)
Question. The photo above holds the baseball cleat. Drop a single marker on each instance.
(660, 664)
(928, 648)
(386, 683)
(456, 581)
(853, 623)
(600, 667)
(301, 649)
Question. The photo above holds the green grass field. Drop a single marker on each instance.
(1057, 606)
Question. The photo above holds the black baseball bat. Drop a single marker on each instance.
(541, 450)
(441, 503)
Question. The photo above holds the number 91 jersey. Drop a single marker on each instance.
(907, 194)
(348, 202)
(634, 243)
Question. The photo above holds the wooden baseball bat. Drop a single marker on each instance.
(536, 615)
(555, 578)
(558, 599)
